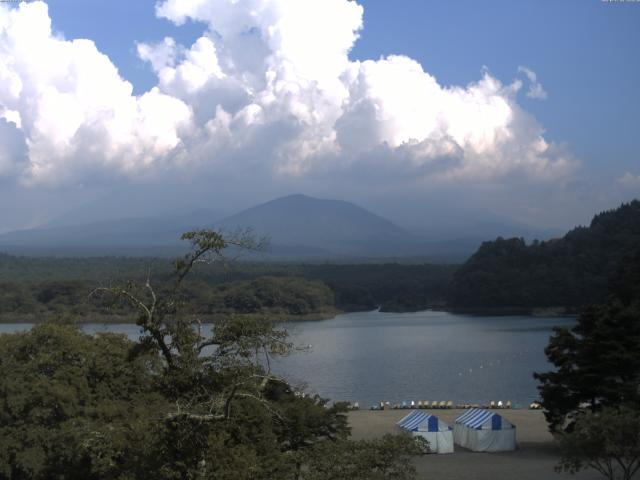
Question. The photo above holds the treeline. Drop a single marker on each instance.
(273, 297)
(570, 272)
(392, 287)
(95, 269)
(60, 287)
(276, 297)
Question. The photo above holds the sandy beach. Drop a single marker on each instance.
(534, 459)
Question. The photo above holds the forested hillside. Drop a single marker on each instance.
(569, 272)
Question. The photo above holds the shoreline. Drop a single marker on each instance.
(32, 318)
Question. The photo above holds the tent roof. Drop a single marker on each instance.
(422, 421)
(479, 419)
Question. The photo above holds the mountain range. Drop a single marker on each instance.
(299, 227)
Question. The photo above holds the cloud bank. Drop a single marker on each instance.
(267, 91)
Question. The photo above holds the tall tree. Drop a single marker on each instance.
(598, 360)
(607, 441)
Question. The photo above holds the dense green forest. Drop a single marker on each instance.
(33, 289)
(277, 298)
(569, 272)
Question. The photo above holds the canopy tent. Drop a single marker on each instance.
(484, 431)
(431, 428)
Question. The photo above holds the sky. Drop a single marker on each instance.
(430, 113)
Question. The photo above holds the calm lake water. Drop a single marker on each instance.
(373, 356)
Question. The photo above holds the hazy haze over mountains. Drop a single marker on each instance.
(299, 227)
(327, 226)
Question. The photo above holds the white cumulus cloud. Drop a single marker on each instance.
(268, 89)
(76, 113)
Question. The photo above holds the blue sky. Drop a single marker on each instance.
(584, 53)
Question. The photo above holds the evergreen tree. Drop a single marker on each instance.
(598, 360)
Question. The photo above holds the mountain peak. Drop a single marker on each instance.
(294, 196)
(335, 226)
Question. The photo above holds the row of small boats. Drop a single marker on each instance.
(419, 404)
(425, 404)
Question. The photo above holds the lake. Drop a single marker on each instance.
(373, 356)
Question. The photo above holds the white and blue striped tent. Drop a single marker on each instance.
(484, 431)
(431, 428)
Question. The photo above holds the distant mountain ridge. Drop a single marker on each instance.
(300, 227)
(126, 236)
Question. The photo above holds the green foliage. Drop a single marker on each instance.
(272, 295)
(278, 298)
(73, 405)
(569, 272)
(598, 360)
(43, 300)
(607, 441)
(303, 420)
(181, 403)
(277, 291)
(392, 287)
(85, 269)
(386, 458)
